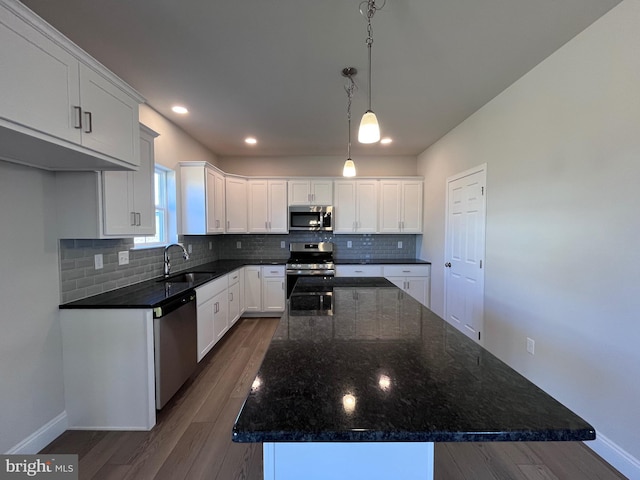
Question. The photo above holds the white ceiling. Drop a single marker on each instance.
(272, 68)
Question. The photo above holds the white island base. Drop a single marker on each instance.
(348, 460)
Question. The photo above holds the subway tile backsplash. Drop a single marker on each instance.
(79, 278)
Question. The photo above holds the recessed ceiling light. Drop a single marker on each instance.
(250, 140)
(179, 109)
(386, 140)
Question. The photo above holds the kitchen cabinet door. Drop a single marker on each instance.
(215, 201)
(310, 192)
(234, 303)
(203, 205)
(220, 314)
(267, 206)
(356, 206)
(40, 82)
(400, 206)
(206, 336)
(109, 117)
(128, 201)
(273, 294)
(253, 289)
(236, 205)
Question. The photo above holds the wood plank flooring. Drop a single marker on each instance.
(192, 438)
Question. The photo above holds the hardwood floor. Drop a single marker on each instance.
(192, 438)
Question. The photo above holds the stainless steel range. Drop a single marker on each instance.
(307, 260)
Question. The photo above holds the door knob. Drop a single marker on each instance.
(448, 264)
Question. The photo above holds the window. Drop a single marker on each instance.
(164, 195)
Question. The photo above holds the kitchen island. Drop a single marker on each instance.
(360, 380)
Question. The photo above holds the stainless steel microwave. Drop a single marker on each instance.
(313, 217)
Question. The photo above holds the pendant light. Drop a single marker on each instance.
(349, 169)
(369, 131)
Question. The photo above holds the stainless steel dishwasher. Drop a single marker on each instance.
(175, 335)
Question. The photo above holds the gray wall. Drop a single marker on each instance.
(562, 148)
(31, 391)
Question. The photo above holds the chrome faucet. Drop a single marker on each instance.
(167, 262)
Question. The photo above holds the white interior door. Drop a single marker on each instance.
(464, 251)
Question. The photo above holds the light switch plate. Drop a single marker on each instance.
(190, 248)
(238, 244)
(400, 244)
(531, 346)
(282, 244)
(97, 261)
(349, 244)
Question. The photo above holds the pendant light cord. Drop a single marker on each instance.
(349, 89)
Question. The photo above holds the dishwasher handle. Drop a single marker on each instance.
(174, 304)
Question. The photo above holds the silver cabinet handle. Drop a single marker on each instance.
(406, 271)
(228, 224)
(132, 222)
(78, 111)
(89, 128)
(138, 219)
(231, 296)
(266, 226)
(283, 285)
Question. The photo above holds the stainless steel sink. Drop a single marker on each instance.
(189, 277)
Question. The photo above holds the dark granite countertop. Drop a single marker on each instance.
(385, 368)
(156, 292)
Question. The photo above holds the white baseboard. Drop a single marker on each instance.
(41, 437)
(618, 458)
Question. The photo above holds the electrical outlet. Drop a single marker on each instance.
(400, 244)
(349, 244)
(97, 261)
(190, 248)
(531, 346)
(282, 244)
(123, 258)
(210, 245)
(238, 244)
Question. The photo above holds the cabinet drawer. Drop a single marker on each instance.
(407, 270)
(358, 270)
(234, 277)
(273, 271)
(211, 289)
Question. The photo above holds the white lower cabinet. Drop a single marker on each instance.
(108, 365)
(413, 279)
(264, 289)
(235, 295)
(213, 313)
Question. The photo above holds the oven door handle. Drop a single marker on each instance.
(311, 273)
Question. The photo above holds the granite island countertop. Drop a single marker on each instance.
(383, 368)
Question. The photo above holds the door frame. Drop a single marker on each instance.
(477, 169)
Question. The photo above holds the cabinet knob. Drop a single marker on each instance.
(448, 264)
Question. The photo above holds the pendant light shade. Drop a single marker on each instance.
(349, 169)
(369, 131)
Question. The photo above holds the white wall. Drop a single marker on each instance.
(327, 166)
(31, 388)
(562, 147)
(174, 145)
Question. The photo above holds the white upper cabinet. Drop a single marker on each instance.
(129, 206)
(108, 204)
(310, 191)
(59, 108)
(236, 199)
(400, 206)
(267, 206)
(355, 206)
(202, 193)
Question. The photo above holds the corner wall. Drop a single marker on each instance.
(562, 148)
